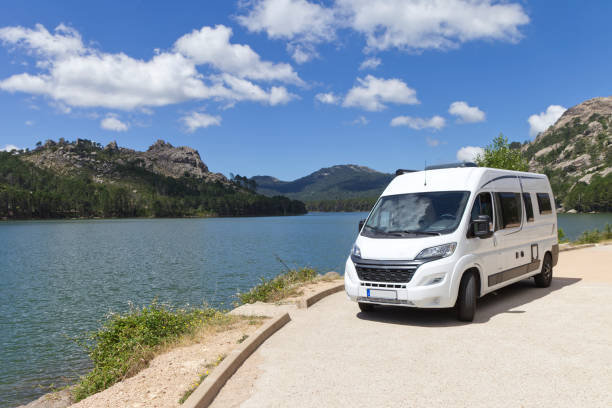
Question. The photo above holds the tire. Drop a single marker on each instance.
(466, 299)
(544, 278)
(366, 307)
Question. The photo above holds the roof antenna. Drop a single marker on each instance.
(425, 174)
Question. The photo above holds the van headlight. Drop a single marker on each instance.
(356, 252)
(440, 251)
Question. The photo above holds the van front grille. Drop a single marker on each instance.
(386, 273)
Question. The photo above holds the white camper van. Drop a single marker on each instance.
(445, 236)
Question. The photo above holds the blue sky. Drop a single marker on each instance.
(285, 87)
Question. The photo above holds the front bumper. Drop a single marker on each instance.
(428, 288)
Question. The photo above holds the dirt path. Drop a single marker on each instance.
(527, 347)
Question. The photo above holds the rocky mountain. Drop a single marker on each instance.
(106, 164)
(576, 154)
(83, 179)
(340, 182)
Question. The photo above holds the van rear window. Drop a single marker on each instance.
(510, 209)
(544, 203)
(528, 206)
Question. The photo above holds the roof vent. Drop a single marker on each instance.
(451, 165)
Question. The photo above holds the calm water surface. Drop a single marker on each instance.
(59, 279)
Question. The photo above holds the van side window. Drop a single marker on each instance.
(483, 205)
(544, 203)
(510, 209)
(528, 206)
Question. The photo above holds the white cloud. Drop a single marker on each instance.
(302, 23)
(466, 113)
(469, 153)
(29, 123)
(66, 41)
(9, 147)
(212, 46)
(370, 63)
(241, 89)
(360, 120)
(439, 24)
(412, 25)
(542, 121)
(111, 122)
(435, 122)
(372, 93)
(73, 76)
(196, 120)
(328, 97)
(432, 142)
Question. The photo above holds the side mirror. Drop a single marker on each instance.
(361, 222)
(481, 228)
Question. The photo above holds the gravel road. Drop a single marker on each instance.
(528, 347)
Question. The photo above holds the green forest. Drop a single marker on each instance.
(29, 192)
(345, 205)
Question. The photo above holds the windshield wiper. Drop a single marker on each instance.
(379, 231)
(415, 232)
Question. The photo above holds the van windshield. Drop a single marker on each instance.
(416, 214)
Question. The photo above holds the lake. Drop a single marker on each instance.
(59, 279)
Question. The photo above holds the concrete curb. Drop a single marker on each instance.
(309, 301)
(210, 387)
(574, 247)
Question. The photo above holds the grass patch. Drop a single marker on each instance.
(280, 287)
(243, 338)
(561, 236)
(594, 236)
(203, 376)
(127, 342)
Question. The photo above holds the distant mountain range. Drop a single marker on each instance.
(84, 179)
(575, 153)
(349, 183)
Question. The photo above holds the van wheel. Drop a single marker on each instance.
(544, 278)
(366, 307)
(466, 299)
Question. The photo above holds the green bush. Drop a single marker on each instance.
(591, 237)
(280, 287)
(561, 235)
(500, 155)
(126, 343)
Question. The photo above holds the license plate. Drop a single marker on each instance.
(382, 294)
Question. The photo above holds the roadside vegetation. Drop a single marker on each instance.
(126, 343)
(280, 287)
(587, 237)
(594, 236)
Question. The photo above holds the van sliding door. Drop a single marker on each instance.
(515, 251)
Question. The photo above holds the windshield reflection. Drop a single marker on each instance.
(416, 214)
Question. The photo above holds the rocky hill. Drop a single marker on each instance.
(347, 181)
(107, 164)
(576, 153)
(83, 179)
